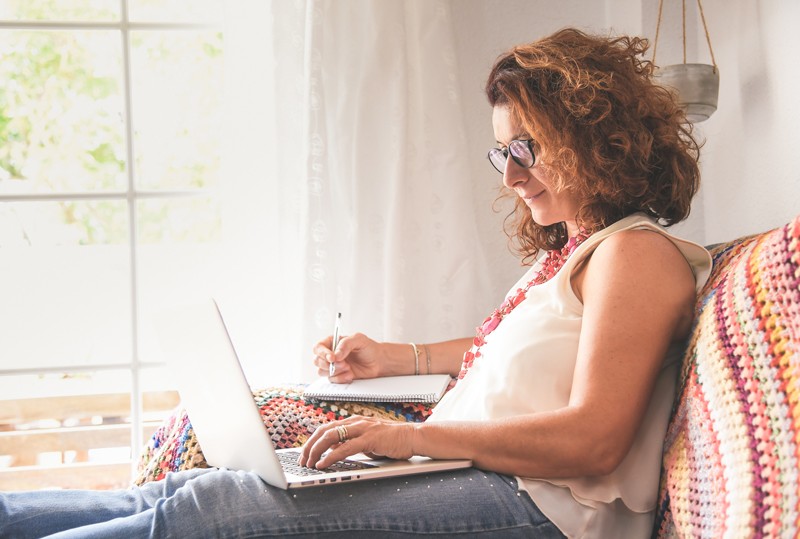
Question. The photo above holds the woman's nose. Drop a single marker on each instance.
(513, 174)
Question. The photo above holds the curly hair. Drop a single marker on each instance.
(613, 137)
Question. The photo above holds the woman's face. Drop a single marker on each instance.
(535, 184)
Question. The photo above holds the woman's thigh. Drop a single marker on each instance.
(460, 503)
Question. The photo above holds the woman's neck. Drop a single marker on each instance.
(572, 228)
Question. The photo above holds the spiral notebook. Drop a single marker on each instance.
(427, 388)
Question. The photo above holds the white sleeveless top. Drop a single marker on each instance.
(527, 366)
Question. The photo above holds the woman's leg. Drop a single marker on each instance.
(40, 513)
(225, 504)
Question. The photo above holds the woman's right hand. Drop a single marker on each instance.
(357, 356)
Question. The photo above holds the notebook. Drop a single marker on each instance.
(425, 388)
(226, 419)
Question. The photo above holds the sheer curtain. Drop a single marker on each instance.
(348, 185)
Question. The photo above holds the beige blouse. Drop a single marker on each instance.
(527, 367)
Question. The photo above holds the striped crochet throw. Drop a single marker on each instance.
(731, 465)
(290, 419)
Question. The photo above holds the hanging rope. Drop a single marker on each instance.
(658, 27)
(683, 25)
(708, 37)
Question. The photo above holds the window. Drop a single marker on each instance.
(110, 141)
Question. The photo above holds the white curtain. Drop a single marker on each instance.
(347, 180)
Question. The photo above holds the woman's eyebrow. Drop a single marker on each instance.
(520, 136)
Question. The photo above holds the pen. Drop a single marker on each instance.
(336, 327)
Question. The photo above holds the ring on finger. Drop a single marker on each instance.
(342, 432)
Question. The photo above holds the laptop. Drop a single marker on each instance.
(226, 418)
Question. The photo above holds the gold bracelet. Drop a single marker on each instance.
(427, 357)
(416, 358)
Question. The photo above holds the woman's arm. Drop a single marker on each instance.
(445, 358)
(358, 356)
(638, 293)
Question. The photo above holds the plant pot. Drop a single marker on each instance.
(696, 86)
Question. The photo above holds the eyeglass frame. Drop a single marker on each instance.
(506, 151)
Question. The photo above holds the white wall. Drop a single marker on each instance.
(751, 161)
(751, 168)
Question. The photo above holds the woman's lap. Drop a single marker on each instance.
(201, 502)
(211, 503)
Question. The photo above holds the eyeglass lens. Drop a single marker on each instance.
(520, 151)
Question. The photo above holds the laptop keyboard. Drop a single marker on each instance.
(288, 460)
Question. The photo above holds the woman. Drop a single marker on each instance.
(561, 399)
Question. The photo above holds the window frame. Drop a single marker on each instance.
(131, 195)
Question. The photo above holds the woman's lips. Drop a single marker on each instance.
(531, 198)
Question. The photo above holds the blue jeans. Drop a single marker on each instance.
(224, 504)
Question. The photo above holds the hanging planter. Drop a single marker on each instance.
(695, 85)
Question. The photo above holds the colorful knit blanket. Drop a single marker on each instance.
(289, 417)
(731, 465)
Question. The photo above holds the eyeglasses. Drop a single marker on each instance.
(521, 152)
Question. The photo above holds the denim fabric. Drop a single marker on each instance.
(225, 504)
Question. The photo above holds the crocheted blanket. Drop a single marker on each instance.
(289, 417)
(731, 465)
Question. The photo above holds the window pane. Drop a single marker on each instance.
(59, 10)
(61, 120)
(179, 257)
(159, 400)
(65, 430)
(177, 91)
(65, 283)
(73, 430)
(202, 11)
(194, 220)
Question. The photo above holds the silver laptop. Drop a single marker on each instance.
(226, 420)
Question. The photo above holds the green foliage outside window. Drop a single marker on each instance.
(63, 122)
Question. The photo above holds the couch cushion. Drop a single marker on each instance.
(731, 465)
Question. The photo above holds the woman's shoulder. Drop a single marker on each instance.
(641, 248)
(641, 257)
(643, 234)
(643, 239)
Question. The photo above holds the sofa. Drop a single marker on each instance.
(731, 460)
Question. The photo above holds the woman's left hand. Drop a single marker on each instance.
(374, 437)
